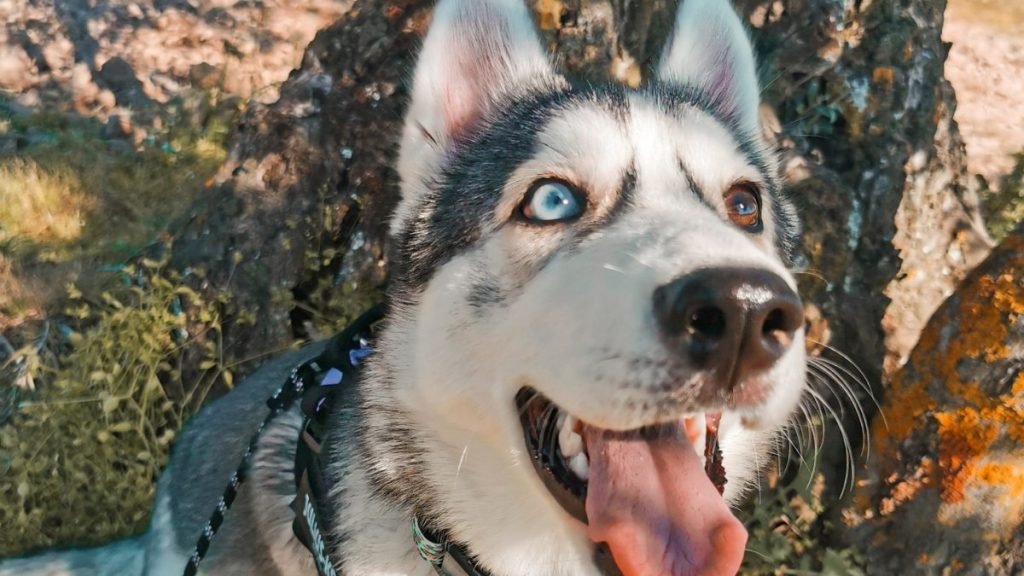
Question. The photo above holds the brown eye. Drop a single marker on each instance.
(743, 204)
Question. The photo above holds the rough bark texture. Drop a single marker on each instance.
(950, 462)
(854, 96)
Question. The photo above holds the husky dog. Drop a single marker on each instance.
(607, 263)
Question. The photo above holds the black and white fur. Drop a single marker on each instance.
(483, 304)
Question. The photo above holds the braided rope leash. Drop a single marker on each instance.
(279, 402)
(322, 372)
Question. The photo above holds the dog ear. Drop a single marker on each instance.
(709, 50)
(475, 52)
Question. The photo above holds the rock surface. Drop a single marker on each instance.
(986, 56)
(948, 459)
(146, 49)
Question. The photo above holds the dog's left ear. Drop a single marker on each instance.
(709, 50)
(476, 53)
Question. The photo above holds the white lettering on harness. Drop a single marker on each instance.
(319, 548)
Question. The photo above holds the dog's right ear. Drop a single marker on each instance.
(708, 49)
(475, 52)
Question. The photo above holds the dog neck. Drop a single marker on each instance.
(392, 460)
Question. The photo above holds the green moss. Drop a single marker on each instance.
(1003, 204)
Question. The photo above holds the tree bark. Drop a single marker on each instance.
(948, 460)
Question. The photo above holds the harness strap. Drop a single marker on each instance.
(340, 360)
(316, 385)
(307, 525)
(301, 380)
(447, 558)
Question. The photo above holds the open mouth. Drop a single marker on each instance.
(645, 494)
(559, 453)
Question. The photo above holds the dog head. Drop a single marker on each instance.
(584, 279)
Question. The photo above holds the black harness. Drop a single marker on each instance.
(318, 385)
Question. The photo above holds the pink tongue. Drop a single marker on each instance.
(654, 506)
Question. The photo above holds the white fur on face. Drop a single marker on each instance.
(580, 330)
(575, 319)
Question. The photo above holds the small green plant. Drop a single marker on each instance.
(787, 528)
(1003, 205)
(328, 299)
(79, 457)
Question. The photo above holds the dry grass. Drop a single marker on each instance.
(105, 196)
(38, 208)
(39, 204)
(74, 201)
(78, 458)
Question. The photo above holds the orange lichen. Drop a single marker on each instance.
(966, 435)
(963, 437)
(904, 490)
(883, 76)
(1017, 390)
(549, 14)
(904, 405)
(973, 327)
(1003, 475)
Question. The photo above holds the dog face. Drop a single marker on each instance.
(586, 280)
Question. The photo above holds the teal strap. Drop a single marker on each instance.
(430, 551)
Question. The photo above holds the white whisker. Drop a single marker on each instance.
(848, 477)
(462, 459)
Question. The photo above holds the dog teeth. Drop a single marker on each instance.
(569, 441)
(696, 430)
(580, 466)
(571, 445)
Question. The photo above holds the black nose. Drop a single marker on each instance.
(733, 321)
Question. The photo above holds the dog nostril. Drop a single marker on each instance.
(777, 329)
(708, 322)
(775, 322)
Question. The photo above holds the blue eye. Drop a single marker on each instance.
(552, 201)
